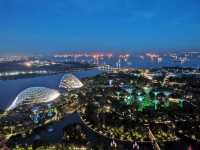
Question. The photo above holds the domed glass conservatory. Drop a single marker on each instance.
(34, 95)
(70, 82)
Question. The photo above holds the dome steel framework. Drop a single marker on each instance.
(34, 95)
(70, 82)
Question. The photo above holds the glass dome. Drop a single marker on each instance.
(69, 82)
(34, 95)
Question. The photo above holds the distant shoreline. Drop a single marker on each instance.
(34, 75)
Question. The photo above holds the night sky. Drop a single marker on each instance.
(37, 26)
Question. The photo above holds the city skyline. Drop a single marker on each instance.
(100, 74)
(117, 25)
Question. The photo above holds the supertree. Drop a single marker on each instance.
(118, 95)
(147, 89)
(155, 102)
(181, 103)
(167, 94)
(140, 100)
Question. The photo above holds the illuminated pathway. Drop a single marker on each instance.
(153, 140)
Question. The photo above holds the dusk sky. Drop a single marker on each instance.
(48, 25)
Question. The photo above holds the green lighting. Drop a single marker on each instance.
(155, 102)
(147, 90)
(130, 91)
(118, 95)
(166, 104)
(156, 93)
(147, 102)
(181, 103)
(140, 98)
(128, 100)
(140, 107)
